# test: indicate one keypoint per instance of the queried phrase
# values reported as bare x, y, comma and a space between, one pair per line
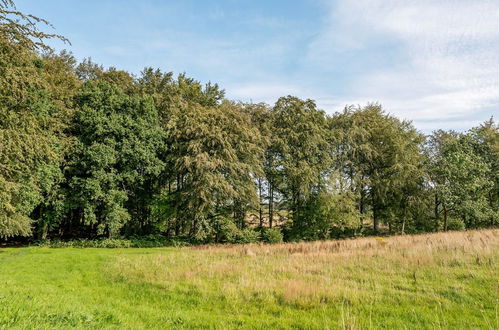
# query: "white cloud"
431, 61
445, 69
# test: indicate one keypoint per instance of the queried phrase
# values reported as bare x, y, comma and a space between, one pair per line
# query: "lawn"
444, 280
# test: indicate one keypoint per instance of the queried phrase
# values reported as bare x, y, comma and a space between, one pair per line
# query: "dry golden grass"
468, 241
435, 279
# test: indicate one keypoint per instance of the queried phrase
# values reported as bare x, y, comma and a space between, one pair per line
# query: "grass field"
444, 280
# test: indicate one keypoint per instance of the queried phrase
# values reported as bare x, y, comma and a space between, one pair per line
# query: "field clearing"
442, 280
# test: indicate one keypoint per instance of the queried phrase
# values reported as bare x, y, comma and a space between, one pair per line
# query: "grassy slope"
429, 281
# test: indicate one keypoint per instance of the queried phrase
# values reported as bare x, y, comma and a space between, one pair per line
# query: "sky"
435, 62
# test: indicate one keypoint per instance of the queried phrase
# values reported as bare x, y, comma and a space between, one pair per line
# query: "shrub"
114, 243
134, 242
226, 230
246, 235
455, 224
272, 235
86, 243
149, 241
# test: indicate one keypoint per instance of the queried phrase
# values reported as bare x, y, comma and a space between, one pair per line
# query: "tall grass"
435, 280
442, 281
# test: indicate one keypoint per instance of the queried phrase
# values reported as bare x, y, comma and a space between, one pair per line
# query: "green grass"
428, 281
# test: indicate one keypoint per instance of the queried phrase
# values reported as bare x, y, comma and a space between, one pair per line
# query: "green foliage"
246, 235
272, 235
226, 231
463, 179
85, 243
455, 224
300, 153
327, 214
30, 121
214, 154
380, 160
117, 148
88, 151
150, 241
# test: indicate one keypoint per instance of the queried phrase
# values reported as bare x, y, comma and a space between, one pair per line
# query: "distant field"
445, 280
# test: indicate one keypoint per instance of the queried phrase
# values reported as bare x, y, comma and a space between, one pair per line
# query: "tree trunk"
375, 215
194, 227
362, 208
177, 227
271, 204
435, 210
42, 230
260, 200
445, 216
404, 217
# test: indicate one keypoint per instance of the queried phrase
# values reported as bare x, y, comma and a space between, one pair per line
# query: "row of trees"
87, 152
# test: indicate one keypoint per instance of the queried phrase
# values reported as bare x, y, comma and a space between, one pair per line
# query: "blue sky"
434, 62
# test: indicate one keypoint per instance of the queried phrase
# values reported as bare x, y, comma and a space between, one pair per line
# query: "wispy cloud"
443, 63
431, 61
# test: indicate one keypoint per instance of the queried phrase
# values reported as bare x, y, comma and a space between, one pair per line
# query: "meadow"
442, 280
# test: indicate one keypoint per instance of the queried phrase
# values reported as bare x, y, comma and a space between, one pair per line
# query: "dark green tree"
118, 141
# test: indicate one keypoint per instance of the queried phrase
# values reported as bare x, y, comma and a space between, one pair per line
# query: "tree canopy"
88, 151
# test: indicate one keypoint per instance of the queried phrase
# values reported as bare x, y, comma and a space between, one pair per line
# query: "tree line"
88, 151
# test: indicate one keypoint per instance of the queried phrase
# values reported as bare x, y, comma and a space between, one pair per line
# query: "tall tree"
261, 117
215, 153
118, 141
299, 155
462, 180
381, 157
486, 144
29, 146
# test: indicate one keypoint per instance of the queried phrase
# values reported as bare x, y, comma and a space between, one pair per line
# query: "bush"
151, 241
113, 243
225, 230
272, 235
245, 236
455, 224
134, 242
86, 243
